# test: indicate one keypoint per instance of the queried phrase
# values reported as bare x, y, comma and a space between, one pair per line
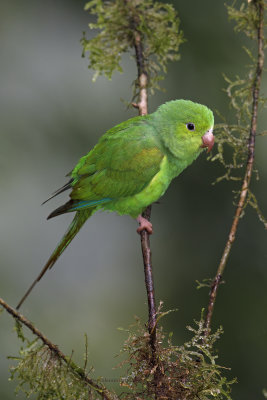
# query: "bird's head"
188, 127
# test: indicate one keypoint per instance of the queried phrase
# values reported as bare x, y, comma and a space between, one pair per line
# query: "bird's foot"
144, 224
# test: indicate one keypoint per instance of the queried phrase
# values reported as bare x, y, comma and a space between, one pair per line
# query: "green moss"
157, 23
189, 371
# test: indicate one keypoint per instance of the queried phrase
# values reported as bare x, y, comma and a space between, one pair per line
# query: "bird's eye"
190, 126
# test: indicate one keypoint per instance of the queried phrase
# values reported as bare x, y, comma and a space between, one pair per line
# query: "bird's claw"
144, 224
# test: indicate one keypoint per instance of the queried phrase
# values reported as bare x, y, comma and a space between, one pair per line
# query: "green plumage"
133, 164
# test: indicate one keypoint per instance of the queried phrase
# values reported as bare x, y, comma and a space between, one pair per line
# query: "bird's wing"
123, 162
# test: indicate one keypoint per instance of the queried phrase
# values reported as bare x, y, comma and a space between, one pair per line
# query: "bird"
132, 166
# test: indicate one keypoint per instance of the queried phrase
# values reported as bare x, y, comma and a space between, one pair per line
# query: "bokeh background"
51, 114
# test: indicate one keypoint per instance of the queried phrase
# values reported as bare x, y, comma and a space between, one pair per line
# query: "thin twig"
249, 167
104, 393
142, 107
145, 242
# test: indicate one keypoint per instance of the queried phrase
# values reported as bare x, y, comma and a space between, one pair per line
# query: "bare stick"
104, 393
145, 242
249, 168
142, 107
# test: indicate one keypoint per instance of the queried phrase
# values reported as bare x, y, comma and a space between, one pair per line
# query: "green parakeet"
132, 165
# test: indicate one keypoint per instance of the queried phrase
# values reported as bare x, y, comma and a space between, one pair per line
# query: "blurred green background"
52, 114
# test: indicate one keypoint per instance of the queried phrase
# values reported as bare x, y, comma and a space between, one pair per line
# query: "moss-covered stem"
259, 4
103, 392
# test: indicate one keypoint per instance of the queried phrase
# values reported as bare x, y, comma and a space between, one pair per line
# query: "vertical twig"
259, 4
142, 107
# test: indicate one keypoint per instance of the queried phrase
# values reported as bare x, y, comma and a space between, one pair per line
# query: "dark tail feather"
60, 190
67, 207
75, 226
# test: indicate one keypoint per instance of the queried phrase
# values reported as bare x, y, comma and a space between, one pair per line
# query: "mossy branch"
188, 372
119, 21
56, 357
250, 19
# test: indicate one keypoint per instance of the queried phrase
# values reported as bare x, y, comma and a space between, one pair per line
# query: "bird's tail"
75, 226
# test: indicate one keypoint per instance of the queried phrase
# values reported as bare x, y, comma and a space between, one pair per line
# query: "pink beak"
208, 140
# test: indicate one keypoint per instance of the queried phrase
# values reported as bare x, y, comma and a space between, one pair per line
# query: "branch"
104, 393
145, 242
142, 107
249, 166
